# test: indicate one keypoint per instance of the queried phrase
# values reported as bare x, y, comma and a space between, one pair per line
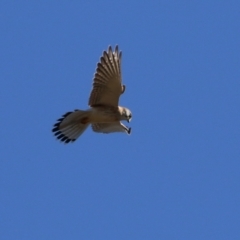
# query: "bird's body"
104, 113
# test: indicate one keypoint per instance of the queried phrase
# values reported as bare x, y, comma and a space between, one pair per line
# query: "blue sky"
176, 176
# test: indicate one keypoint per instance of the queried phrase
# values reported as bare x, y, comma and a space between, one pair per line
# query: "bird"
104, 114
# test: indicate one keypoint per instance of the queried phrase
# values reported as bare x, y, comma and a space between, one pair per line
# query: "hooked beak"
129, 119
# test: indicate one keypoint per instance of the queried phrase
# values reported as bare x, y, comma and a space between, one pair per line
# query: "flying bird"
103, 114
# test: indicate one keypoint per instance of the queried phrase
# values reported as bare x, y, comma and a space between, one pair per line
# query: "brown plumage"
104, 113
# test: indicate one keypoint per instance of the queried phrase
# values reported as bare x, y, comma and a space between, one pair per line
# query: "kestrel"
104, 113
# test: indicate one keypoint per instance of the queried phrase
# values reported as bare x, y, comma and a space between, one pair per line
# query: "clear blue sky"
177, 176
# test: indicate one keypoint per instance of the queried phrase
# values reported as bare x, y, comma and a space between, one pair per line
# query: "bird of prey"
103, 113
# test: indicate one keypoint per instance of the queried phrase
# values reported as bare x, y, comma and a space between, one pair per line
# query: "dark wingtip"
129, 130
64, 139
65, 115
57, 133
60, 136
123, 88
55, 129
68, 140
56, 124
120, 55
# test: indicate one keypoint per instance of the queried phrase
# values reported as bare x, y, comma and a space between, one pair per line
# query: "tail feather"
69, 127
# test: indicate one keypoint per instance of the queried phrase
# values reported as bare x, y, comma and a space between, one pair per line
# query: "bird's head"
126, 114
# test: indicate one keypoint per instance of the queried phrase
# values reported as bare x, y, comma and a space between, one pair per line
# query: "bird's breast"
104, 114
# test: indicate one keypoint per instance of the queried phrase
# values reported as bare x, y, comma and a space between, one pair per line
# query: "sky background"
177, 176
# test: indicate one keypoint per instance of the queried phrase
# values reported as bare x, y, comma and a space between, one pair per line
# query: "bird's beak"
129, 120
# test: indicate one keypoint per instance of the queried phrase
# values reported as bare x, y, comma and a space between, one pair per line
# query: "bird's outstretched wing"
110, 127
107, 82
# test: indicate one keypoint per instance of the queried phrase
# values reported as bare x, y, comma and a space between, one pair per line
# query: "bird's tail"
71, 125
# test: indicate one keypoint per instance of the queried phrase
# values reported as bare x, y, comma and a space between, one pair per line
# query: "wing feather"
107, 82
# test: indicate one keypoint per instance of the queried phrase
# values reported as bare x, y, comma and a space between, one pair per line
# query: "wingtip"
123, 88
116, 48
109, 48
